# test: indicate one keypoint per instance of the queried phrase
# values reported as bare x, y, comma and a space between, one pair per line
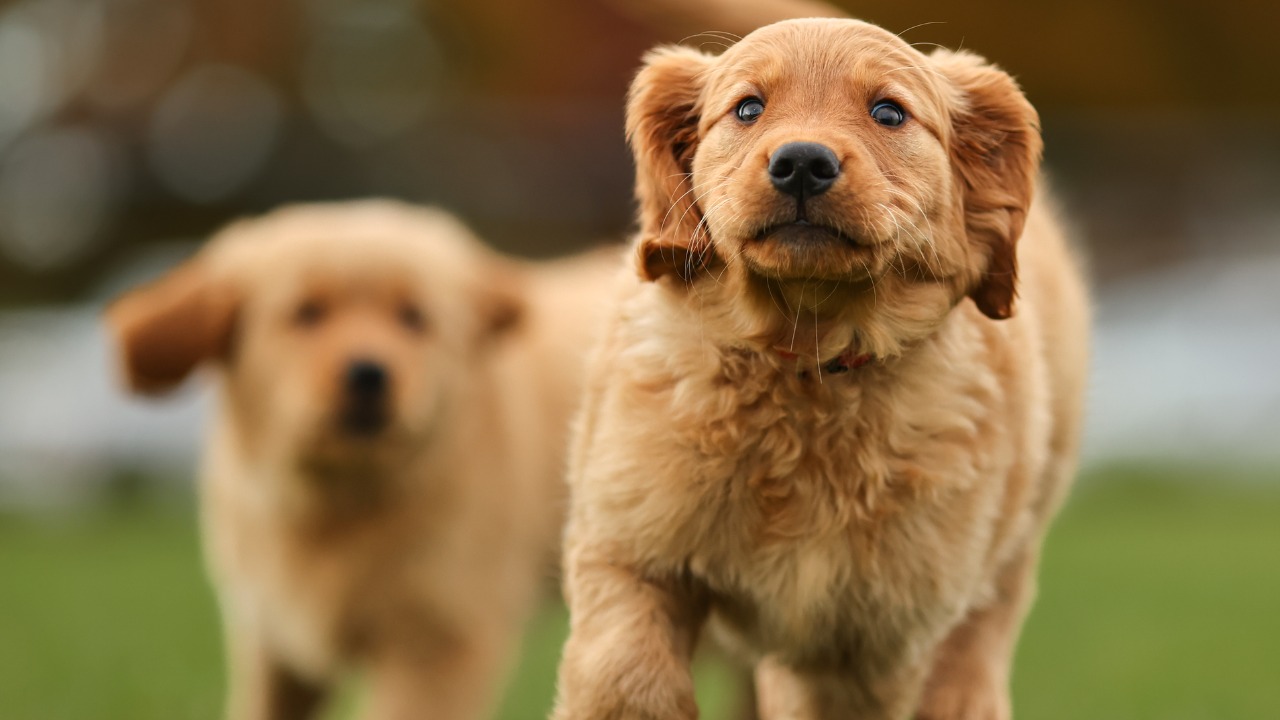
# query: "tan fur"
867, 540
414, 555
732, 18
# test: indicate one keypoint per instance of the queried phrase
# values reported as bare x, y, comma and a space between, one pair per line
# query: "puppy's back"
1053, 298
566, 303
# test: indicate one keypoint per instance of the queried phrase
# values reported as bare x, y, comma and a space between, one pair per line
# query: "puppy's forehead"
336, 265
818, 44
821, 55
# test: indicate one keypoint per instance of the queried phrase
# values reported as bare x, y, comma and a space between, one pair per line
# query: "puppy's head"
830, 165
343, 333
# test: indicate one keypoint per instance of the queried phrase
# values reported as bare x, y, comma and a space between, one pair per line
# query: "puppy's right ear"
167, 328
996, 149
663, 109
499, 300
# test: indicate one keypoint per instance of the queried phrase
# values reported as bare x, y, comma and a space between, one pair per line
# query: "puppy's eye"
888, 113
749, 110
411, 317
309, 314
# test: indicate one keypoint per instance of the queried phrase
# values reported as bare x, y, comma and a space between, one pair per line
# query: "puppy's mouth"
364, 420
804, 232
802, 248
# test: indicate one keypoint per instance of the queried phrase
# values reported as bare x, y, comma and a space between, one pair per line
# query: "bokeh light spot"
213, 132
57, 189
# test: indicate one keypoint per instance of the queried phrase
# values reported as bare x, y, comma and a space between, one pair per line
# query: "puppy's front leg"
971, 669
630, 642
261, 687
448, 679
787, 693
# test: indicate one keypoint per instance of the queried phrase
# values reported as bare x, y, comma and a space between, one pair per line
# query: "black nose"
366, 379
803, 169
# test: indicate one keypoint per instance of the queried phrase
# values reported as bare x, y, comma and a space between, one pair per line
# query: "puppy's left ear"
663, 109
995, 154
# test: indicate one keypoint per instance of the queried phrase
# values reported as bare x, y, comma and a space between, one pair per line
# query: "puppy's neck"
818, 319
336, 493
805, 318
798, 318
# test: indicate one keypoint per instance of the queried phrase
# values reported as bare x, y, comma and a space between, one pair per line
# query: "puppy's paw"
625, 696
627, 709
973, 696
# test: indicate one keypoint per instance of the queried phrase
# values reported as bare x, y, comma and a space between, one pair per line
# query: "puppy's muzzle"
366, 388
803, 169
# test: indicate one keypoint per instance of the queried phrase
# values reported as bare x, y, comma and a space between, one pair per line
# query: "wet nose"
803, 169
366, 379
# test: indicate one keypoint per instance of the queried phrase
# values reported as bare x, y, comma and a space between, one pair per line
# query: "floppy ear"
498, 298
995, 153
662, 128
167, 328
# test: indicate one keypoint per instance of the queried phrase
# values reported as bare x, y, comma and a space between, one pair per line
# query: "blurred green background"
1158, 601
131, 129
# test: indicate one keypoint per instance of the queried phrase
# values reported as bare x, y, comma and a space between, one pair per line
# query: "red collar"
839, 364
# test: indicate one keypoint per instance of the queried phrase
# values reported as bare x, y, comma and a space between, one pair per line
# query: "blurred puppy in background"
381, 487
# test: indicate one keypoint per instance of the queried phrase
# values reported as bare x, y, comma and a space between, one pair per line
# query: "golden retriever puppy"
380, 488
815, 418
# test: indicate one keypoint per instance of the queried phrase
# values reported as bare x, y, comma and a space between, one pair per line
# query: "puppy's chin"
807, 251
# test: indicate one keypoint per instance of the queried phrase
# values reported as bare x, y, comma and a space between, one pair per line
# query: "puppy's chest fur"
824, 517
318, 590
307, 592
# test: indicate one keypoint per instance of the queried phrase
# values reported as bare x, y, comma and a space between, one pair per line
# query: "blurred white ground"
66, 427
1187, 367
1187, 364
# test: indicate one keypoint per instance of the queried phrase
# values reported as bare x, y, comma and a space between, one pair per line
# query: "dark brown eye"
888, 113
749, 110
411, 317
309, 314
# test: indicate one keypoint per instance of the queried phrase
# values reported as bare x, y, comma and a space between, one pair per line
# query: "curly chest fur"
822, 515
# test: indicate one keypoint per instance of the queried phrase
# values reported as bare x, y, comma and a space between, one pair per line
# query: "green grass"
1159, 600
106, 616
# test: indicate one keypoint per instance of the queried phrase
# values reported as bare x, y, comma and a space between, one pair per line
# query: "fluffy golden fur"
402, 535
866, 540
